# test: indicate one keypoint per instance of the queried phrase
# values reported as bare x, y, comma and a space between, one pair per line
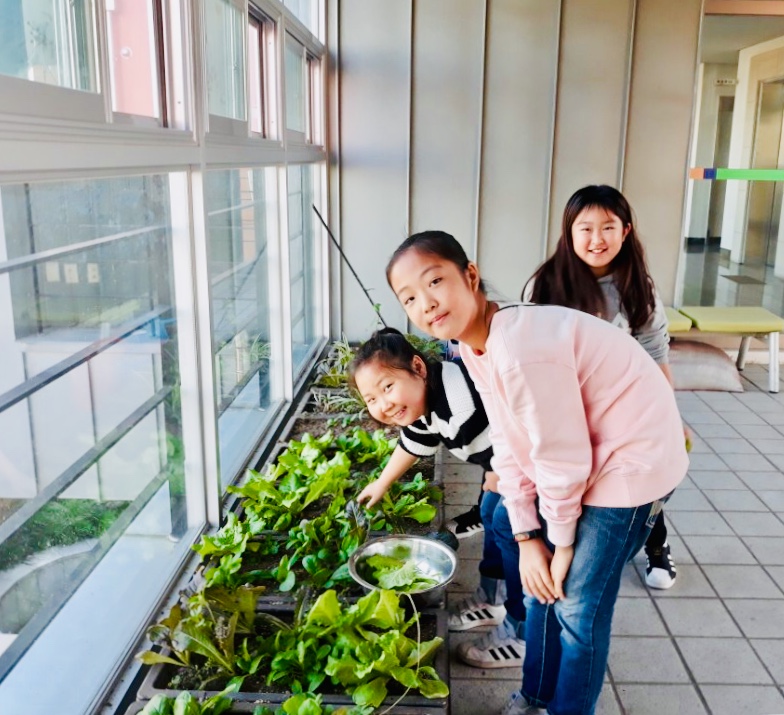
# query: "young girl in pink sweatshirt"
588, 445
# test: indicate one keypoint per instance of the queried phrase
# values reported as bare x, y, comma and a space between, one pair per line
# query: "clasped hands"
543, 572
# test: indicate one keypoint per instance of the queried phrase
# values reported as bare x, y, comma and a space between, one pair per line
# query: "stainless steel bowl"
433, 559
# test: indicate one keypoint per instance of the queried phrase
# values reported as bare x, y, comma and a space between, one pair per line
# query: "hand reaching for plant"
372, 493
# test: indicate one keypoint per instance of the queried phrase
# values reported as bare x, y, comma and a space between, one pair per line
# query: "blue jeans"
501, 555
567, 643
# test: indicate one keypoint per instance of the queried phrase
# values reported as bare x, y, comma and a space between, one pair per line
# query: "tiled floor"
714, 643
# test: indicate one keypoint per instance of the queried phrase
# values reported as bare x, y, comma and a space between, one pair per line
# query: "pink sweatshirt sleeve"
547, 400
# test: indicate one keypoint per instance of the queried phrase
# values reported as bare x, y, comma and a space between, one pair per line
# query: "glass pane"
92, 492
225, 59
246, 359
133, 57
303, 264
295, 86
305, 11
255, 74
50, 42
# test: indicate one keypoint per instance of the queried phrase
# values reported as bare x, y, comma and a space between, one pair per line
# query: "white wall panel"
448, 63
592, 85
657, 144
375, 52
520, 75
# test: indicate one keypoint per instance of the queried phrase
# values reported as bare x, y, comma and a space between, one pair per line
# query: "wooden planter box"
158, 676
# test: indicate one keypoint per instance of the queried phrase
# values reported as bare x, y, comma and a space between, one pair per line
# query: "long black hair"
564, 279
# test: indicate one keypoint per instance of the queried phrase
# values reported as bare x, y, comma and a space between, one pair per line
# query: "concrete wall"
481, 117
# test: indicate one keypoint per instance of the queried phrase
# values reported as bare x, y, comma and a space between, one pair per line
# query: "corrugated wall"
481, 117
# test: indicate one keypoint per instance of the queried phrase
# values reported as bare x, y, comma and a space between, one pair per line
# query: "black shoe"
660, 568
466, 524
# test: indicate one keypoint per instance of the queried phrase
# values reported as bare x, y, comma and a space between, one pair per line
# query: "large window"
225, 58
304, 265
50, 42
93, 493
247, 362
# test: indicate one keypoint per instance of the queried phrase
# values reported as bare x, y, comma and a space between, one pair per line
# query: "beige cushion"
699, 366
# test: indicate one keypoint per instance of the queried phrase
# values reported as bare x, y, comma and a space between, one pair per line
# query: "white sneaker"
660, 571
475, 611
499, 648
518, 705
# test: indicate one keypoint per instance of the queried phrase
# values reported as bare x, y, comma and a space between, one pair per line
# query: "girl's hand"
372, 493
559, 568
535, 570
491, 482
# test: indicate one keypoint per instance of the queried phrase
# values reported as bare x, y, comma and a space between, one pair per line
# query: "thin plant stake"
376, 306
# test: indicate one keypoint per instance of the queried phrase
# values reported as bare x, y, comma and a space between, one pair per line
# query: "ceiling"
723, 35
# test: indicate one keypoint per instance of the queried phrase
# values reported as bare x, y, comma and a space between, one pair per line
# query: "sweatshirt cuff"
522, 516
561, 534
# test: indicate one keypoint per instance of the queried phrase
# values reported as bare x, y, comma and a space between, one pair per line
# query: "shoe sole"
473, 531
470, 625
494, 665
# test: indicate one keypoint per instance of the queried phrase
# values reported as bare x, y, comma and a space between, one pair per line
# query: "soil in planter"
317, 426
179, 678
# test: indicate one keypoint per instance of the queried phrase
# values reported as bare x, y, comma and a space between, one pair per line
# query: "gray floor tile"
772, 654
661, 663
754, 432
777, 574
688, 483
753, 524
607, 704
661, 700
722, 660
697, 617
777, 460
707, 462
688, 500
718, 550
636, 617
757, 617
463, 473
690, 583
760, 403
769, 550
717, 480
466, 577
716, 428
773, 418
699, 523
732, 446
773, 499
735, 699
762, 480
471, 546
748, 462
698, 445
463, 494
697, 418
734, 417
737, 581
770, 446
479, 695
736, 500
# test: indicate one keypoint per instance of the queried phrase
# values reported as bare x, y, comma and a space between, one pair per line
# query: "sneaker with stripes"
479, 610
466, 524
660, 568
499, 648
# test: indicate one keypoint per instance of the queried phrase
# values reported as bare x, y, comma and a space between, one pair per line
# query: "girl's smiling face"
438, 297
393, 396
597, 237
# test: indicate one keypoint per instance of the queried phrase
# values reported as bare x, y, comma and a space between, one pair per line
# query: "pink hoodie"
579, 414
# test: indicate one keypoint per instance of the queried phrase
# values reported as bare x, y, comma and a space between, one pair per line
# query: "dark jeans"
567, 643
501, 555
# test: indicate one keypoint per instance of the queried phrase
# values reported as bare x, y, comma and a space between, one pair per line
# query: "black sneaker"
466, 524
660, 568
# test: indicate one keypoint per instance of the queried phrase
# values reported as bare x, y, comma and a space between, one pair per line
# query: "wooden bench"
747, 321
